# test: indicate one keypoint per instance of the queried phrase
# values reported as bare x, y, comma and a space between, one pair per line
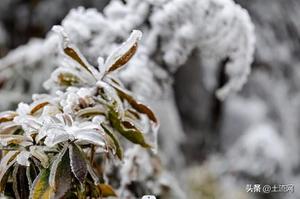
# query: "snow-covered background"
222, 76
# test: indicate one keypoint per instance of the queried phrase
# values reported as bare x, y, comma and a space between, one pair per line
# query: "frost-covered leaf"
8, 127
20, 182
6, 162
106, 190
60, 174
31, 174
23, 158
36, 106
67, 77
40, 187
29, 123
124, 53
91, 111
110, 94
78, 162
127, 129
72, 52
7, 116
93, 174
55, 138
135, 104
38, 153
54, 165
6, 140
90, 136
119, 149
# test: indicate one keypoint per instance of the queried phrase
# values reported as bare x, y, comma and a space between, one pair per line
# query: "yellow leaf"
41, 188
106, 190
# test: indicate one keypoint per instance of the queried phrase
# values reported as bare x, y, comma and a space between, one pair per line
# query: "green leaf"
41, 188
131, 133
54, 166
78, 162
62, 179
119, 149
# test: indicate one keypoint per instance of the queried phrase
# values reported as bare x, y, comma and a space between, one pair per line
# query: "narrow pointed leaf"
20, 182
39, 154
90, 111
7, 116
6, 140
54, 166
38, 106
124, 53
75, 55
141, 108
63, 177
8, 128
93, 174
119, 149
6, 162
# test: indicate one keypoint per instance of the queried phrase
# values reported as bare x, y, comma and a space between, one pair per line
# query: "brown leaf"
37, 106
141, 108
71, 52
124, 53
124, 58
7, 116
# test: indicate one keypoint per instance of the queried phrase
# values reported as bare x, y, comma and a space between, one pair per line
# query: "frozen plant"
174, 31
60, 144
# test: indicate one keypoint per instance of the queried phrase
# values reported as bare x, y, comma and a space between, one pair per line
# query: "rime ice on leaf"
60, 136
